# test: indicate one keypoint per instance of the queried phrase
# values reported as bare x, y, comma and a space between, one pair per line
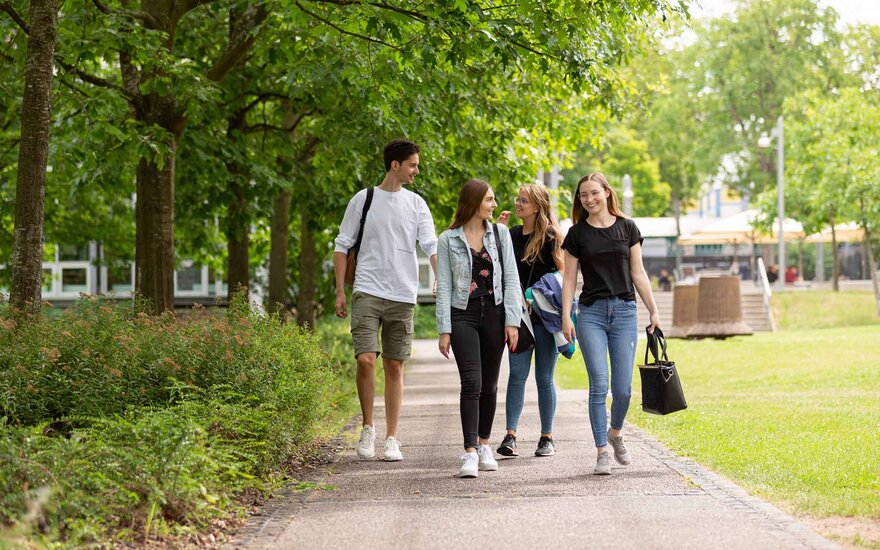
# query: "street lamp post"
764, 141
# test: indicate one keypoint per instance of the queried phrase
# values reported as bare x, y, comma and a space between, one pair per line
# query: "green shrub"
99, 359
115, 424
145, 472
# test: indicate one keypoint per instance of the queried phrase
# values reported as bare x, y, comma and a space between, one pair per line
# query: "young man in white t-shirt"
385, 285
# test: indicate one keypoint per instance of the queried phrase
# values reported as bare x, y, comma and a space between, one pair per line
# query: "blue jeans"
545, 363
608, 327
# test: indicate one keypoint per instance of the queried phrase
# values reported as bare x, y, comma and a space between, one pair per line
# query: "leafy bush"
115, 424
100, 359
426, 322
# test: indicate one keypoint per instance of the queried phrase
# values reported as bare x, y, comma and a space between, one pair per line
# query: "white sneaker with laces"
469, 465
366, 447
487, 460
392, 450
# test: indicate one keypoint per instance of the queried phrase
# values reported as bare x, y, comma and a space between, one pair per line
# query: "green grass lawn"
825, 309
793, 416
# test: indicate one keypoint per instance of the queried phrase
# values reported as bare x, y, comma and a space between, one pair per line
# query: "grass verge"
792, 416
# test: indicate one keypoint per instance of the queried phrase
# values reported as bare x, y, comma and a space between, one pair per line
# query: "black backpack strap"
367, 202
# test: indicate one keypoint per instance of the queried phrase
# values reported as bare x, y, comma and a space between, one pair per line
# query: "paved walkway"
660, 501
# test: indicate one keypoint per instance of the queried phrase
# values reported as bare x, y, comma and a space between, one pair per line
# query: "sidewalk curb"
788, 529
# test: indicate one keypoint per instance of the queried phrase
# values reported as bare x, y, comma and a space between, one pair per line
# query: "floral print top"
481, 274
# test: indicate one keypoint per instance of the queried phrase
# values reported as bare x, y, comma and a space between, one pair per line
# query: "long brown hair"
546, 226
469, 200
579, 213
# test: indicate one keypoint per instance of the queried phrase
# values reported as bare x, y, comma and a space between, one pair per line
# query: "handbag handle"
655, 340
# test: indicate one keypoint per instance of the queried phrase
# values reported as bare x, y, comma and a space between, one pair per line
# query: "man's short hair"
399, 150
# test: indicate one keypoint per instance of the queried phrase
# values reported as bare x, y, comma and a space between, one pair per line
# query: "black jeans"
478, 343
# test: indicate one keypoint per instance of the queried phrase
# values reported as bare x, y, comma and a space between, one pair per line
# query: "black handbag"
661, 385
526, 339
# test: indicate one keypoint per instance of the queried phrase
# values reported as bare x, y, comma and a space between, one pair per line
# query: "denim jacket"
454, 275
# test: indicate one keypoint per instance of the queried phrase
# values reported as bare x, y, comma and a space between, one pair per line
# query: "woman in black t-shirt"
607, 248
537, 249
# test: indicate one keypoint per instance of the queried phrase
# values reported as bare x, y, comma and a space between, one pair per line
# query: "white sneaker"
469, 468
392, 450
487, 461
366, 447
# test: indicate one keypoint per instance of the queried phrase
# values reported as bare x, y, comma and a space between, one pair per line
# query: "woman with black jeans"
478, 307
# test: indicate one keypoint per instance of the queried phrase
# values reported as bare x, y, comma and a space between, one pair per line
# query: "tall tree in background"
622, 153
673, 123
36, 115
749, 62
834, 167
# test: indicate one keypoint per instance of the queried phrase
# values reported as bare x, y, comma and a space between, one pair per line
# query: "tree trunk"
835, 261
154, 210
154, 241
872, 267
280, 236
308, 261
238, 239
154, 254
801, 260
33, 152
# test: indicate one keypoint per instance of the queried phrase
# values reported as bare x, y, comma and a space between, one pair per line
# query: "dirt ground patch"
849, 532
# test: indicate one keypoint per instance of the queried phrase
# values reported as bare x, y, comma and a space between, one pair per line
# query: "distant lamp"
764, 141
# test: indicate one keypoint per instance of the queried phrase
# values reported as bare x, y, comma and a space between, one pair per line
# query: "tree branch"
309, 149
409, 13
144, 16
90, 78
84, 76
532, 49
240, 40
343, 31
262, 97
74, 88
7, 7
300, 118
263, 127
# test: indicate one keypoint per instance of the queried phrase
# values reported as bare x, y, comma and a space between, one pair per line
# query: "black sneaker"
546, 447
508, 446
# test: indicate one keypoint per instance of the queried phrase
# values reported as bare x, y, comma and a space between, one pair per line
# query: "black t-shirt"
543, 264
603, 254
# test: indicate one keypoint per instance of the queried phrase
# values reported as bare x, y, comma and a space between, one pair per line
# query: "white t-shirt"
387, 266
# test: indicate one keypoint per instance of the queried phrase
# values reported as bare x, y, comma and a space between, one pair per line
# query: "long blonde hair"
546, 226
579, 213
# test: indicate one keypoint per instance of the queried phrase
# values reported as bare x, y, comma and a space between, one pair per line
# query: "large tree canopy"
213, 111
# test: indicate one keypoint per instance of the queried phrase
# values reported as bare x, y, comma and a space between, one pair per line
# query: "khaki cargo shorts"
368, 313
